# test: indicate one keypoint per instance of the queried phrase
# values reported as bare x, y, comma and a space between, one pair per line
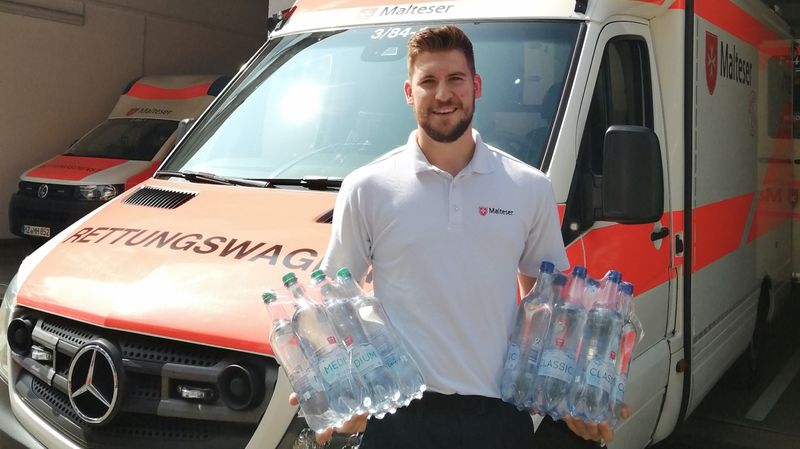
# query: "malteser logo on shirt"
484, 211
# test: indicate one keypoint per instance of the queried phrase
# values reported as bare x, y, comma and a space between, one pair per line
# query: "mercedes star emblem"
94, 382
42, 192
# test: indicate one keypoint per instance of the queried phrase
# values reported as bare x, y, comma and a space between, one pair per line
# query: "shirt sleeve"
350, 242
544, 240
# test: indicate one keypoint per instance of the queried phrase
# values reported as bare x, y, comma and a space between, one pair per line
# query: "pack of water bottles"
571, 346
339, 350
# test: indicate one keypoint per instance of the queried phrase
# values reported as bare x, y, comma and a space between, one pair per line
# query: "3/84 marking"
392, 33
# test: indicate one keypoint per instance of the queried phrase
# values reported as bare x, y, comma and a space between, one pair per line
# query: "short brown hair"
443, 38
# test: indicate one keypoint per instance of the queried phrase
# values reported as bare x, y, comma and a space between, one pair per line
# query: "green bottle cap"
269, 296
318, 275
289, 279
344, 273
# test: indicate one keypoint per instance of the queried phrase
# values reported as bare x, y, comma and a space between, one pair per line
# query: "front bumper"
12, 434
55, 214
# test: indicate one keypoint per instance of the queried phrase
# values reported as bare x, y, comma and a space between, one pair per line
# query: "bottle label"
534, 352
306, 382
333, 367
390, 359
600, 374
366, 358
512, 358
557, 364
619, 391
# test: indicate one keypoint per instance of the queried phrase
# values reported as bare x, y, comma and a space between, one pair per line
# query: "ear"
477, 85
407, 90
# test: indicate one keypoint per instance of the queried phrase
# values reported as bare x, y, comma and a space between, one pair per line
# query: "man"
449, 225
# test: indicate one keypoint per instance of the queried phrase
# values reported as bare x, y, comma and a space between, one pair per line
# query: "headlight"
99, 192
6, 309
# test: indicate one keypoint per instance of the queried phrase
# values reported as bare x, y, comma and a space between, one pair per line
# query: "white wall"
60, 77
276, 6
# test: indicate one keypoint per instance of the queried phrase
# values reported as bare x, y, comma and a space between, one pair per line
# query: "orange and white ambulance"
117, 154
664, 126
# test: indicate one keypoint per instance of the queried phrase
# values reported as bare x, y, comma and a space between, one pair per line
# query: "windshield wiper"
210, 178
309, 182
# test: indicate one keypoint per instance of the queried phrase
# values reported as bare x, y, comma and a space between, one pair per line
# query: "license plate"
36, 231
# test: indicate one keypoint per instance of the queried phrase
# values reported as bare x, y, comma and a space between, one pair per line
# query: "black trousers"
439, 421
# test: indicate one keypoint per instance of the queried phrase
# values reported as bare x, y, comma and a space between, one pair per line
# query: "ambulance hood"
75, 170
193, 273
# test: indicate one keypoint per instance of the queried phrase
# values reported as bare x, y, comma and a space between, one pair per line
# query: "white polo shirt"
445, 253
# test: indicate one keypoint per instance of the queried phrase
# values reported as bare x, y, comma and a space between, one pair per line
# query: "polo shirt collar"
482, 160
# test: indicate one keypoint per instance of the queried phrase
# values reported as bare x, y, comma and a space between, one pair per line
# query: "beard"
444, 135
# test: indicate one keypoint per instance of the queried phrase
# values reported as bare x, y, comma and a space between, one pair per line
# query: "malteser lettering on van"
221, 246
409, 10
733, 66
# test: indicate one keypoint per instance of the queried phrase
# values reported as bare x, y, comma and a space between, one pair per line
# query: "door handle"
660, 234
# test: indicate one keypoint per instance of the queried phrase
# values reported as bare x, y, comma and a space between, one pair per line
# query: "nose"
443, 93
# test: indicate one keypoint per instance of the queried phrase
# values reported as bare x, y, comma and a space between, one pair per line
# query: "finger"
606, 432
357, 423
294, 399
625, 412
324, 436
577, 426
592, 431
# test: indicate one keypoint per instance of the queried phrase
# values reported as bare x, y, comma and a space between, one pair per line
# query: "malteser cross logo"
484, 211
711, 62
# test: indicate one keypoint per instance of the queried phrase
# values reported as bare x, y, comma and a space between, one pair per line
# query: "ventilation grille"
158, 197
327, 217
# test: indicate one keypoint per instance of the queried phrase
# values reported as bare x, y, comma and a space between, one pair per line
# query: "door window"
622, 96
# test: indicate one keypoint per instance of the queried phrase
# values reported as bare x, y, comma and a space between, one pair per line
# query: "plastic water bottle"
381, 333
381, 390
627, 309
590, 394
631, 334
534, 353
301, 372
530, 326
560, 352
318, 339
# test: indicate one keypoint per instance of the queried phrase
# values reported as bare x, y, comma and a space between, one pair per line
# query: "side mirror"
183, 128
633, 178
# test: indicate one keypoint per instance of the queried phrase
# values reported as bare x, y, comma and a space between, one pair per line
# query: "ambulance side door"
622, 89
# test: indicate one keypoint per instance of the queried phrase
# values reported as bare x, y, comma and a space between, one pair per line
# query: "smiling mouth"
444, 111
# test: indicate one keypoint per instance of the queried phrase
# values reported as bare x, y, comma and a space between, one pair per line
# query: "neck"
451, 157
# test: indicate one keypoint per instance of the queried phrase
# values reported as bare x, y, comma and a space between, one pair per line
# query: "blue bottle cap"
546, 267
626, 288
560, 280
579, 271
592, 282
614, 276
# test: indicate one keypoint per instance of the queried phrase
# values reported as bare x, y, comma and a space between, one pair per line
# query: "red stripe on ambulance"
149, 92
718, 229
72, 168
733, 19
140, 177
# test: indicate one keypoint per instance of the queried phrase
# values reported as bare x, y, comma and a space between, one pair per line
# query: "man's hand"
601, 433
355, 424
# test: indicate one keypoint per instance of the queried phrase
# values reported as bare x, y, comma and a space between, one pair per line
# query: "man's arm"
525, 283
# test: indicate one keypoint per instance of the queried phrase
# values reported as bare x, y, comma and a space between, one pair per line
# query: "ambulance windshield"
323, 104
124, 138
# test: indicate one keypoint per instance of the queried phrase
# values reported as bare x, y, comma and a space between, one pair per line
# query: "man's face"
442, 91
